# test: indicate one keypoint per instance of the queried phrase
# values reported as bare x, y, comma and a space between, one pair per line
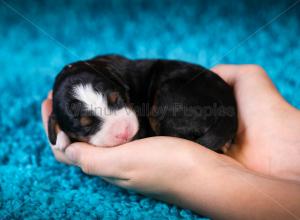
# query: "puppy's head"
91, 104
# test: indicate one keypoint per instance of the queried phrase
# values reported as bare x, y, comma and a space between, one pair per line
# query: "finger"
105, 162
46, 111
226, 72
233, 73
249, 74
61, 157
125, 183
50, 94
249, 81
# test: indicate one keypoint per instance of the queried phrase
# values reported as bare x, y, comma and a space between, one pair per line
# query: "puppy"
110, 100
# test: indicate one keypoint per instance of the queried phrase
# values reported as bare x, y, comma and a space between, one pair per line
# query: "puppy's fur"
109, 100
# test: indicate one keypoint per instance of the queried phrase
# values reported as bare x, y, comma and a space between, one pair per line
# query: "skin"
258, 178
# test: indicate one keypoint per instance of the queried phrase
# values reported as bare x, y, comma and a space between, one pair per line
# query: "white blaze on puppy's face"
118, 127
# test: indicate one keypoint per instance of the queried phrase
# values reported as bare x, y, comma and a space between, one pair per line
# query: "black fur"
171, 98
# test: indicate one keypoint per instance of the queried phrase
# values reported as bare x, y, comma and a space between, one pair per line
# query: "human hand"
171, 169
268, 125
148, 165
268, 139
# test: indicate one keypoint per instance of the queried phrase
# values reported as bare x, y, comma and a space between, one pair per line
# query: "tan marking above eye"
85, 121
112, 97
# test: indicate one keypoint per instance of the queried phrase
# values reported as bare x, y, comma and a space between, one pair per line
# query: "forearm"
231, 192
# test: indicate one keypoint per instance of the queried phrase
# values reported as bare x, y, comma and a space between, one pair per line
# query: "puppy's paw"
62, 141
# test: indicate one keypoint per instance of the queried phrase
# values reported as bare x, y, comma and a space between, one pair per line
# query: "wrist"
203, 184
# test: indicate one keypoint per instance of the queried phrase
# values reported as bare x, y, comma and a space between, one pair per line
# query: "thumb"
104, 162
227, 72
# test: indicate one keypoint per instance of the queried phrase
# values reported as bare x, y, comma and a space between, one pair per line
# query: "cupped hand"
145, 165
268, 139
185, 173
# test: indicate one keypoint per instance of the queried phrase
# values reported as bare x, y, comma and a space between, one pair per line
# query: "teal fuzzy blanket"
37, 38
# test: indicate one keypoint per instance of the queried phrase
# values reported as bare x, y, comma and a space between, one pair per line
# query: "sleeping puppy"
110, 100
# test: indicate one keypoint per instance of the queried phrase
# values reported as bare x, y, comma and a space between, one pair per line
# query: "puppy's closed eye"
86, 121
113, 97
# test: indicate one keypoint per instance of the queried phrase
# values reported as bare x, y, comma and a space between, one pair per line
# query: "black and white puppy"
110, 100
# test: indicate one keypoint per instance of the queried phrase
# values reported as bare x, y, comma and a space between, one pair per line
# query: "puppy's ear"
57, 138
52, 129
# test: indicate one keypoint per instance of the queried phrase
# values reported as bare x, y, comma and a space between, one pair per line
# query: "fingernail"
71, 154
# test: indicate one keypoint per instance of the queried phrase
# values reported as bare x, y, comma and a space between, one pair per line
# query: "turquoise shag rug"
39, 37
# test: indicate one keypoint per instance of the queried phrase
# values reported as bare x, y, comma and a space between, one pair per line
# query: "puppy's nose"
124, 135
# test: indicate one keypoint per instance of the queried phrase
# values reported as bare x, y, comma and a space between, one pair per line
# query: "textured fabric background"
37, 38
